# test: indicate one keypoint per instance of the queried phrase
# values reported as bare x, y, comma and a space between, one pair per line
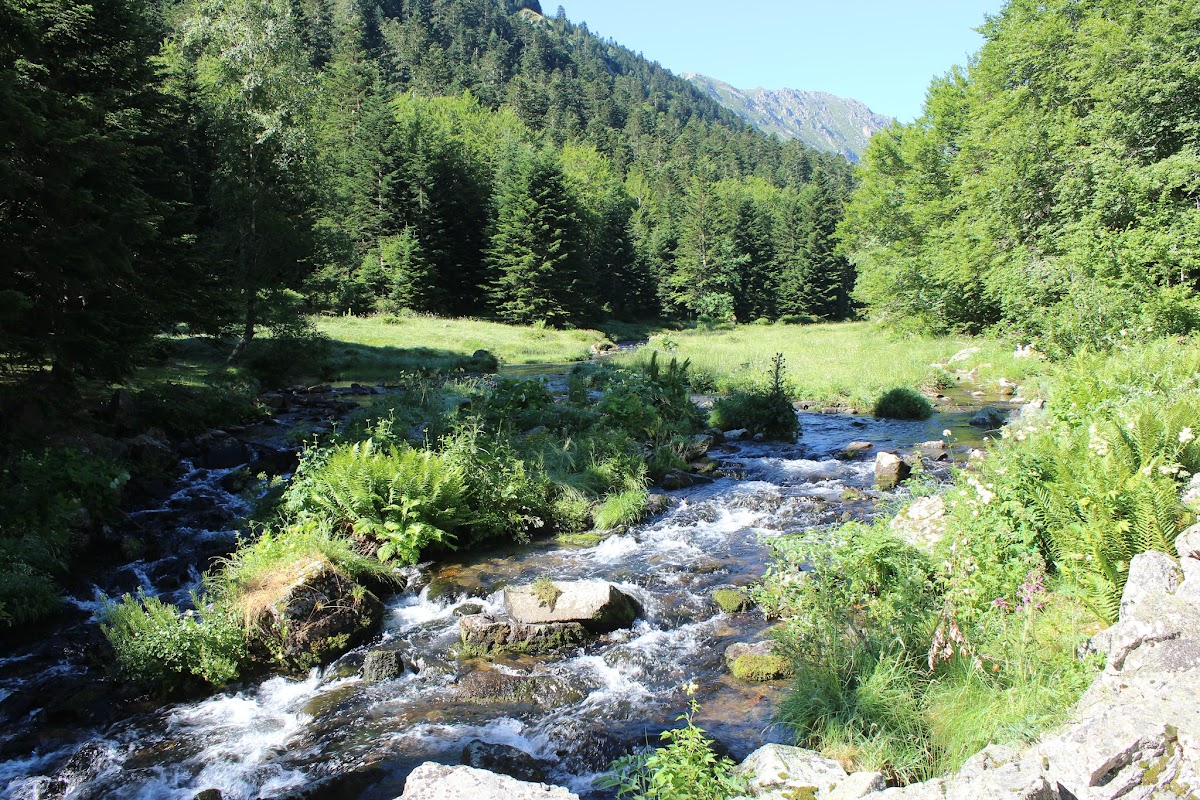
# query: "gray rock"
657, 503
383, 665
1033, 408
484, 634
922, 523
696, 447
497, 685
857, 786
432, 781
676, 480
777, 766
890, 470
739, 649
855, 449
503, 759
597, 605
999, 773
1150, 573
467, 609
989, 419
1187, 545
736, 434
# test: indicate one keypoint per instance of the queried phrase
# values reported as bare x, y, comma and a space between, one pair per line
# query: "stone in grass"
757, 667
732, 601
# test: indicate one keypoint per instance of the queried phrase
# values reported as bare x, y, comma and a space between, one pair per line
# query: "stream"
334, 735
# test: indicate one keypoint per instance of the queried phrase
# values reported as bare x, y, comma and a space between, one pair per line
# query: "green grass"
848, 364
373, 348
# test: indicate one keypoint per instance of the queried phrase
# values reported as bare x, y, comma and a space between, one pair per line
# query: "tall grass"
837, 364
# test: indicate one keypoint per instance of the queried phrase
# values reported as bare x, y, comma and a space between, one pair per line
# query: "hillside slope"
818, 119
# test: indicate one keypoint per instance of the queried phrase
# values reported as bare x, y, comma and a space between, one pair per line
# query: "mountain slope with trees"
235, 165
1050, 188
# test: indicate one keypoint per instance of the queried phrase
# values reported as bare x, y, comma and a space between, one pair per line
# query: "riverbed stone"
597, 605
484, 634
890, 470
757, 668
777, 766
732, 600
989, 419
657, 503
503, 759
855, 449
432, 781
675, 479
383, 665
316, 613
739, 649
736, 434
696, 447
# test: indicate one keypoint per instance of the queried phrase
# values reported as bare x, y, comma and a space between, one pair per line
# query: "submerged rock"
439, 782
855, 449
503, 759
597, 605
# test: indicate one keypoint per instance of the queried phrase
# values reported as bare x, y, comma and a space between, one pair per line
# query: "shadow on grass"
370, 364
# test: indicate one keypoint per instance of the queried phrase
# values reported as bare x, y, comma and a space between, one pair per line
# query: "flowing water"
332, 734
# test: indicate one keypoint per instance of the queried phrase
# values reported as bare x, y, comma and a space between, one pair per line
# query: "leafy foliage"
1047, 187
157, 644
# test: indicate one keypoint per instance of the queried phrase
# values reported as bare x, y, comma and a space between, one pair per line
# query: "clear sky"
882, 52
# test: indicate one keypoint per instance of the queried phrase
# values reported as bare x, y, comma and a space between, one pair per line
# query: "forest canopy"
1051, 188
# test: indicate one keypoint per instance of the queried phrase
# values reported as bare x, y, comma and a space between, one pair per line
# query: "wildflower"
1000, 603
691, 688
947, 432
1186, 435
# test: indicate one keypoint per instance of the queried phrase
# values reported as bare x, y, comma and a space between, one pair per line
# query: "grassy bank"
909, 659
371, 348
836, 364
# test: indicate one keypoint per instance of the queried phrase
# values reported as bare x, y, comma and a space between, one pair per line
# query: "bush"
903, 403
185, 410
158, 645
767, 411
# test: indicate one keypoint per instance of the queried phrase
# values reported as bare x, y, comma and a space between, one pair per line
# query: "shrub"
684, 769
767, 411
42, 495
903, 403
184, 410
158, 645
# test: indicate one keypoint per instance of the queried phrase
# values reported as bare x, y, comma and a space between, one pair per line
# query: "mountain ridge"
821, 120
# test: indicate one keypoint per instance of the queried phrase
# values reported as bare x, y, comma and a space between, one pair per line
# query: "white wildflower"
1186, 435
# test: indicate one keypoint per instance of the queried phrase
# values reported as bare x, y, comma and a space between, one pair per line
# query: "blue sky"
882, 52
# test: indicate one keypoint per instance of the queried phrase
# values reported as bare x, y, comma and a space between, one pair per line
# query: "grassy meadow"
369, 348
845, 364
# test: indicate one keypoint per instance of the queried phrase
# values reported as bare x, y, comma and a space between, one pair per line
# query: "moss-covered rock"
758, 667
732, 601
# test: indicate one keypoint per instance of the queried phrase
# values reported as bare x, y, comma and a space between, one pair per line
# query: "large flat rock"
432, 781
597, 605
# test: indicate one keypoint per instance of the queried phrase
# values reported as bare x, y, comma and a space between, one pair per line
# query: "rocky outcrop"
922, 523
439, 782
598, 606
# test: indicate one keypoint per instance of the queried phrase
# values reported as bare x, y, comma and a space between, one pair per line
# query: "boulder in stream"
778, 767
432, 781
314, 613
503, 759
484, 634
854, 449
989, 419
890, 470
598, 606
383, 665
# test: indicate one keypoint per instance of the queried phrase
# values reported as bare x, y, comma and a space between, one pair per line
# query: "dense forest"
233, 166
1050, 188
